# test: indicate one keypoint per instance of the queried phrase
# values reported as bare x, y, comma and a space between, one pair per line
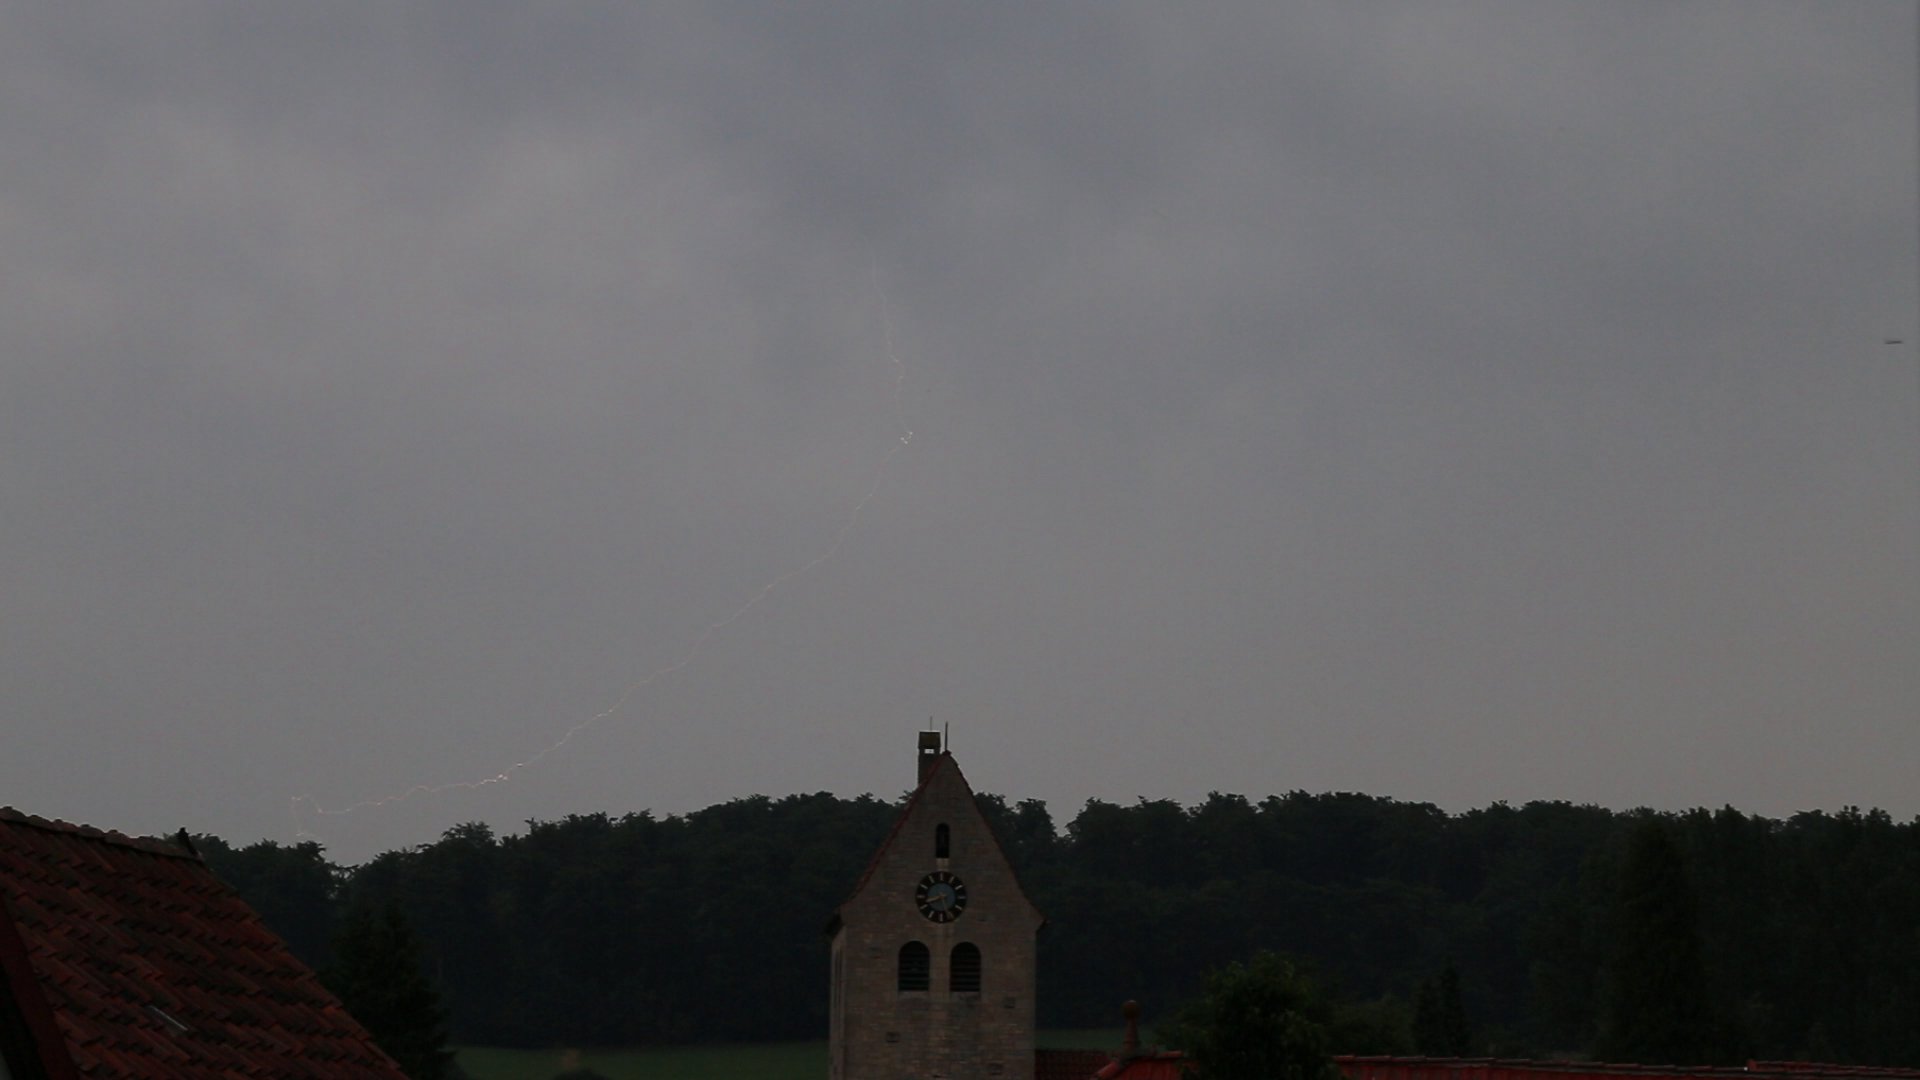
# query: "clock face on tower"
940, 896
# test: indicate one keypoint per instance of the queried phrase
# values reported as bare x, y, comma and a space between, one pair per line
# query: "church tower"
933, 953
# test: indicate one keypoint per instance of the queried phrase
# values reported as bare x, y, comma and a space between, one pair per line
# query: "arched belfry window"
942, 840
916, 966
963, 969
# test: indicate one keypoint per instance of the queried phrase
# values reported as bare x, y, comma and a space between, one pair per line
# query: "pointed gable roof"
943, 762
128, 958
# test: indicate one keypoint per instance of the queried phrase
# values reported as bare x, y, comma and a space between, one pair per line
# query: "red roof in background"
1100, 1065
1815, 1067
1166, 1065
1425, 1068
1151, 1065
1069, 1064
140, 963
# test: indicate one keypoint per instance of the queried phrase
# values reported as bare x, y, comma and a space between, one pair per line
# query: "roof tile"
1051, 1064
114, 926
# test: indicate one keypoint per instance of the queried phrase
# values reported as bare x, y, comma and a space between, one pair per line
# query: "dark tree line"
1542, 929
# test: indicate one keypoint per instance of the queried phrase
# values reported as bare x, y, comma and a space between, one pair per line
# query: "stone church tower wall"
941, 881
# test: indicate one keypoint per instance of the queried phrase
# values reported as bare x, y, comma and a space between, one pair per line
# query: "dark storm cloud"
1448, 401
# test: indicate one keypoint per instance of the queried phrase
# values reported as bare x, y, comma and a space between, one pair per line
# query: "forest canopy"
1801, 936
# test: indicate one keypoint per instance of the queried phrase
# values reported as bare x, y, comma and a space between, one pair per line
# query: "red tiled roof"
1152, 1065
146, 965
1069, 1064
1426, 1068
1819, 1069
1100, 1065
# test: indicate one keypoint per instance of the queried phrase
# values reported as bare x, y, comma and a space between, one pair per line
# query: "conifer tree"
1440, 1025
376, 975
1427, 1036
1655, 1000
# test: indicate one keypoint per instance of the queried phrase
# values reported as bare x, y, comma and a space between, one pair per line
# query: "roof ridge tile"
149, 844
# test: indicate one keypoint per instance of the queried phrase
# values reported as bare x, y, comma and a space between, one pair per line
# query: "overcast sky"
1449, 401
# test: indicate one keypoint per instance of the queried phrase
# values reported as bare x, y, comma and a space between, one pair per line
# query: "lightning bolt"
314, 810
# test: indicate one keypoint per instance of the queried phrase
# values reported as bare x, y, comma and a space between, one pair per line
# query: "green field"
758, 1061
754, 1061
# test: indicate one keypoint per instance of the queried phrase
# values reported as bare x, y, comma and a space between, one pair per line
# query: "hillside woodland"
1543, 929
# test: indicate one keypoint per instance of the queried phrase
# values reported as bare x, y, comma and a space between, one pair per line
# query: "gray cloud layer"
1451, 401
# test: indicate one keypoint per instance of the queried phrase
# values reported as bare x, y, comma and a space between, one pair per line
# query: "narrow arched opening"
963, 969
916, 966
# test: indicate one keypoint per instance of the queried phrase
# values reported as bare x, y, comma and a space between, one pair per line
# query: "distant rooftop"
1432, 1068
